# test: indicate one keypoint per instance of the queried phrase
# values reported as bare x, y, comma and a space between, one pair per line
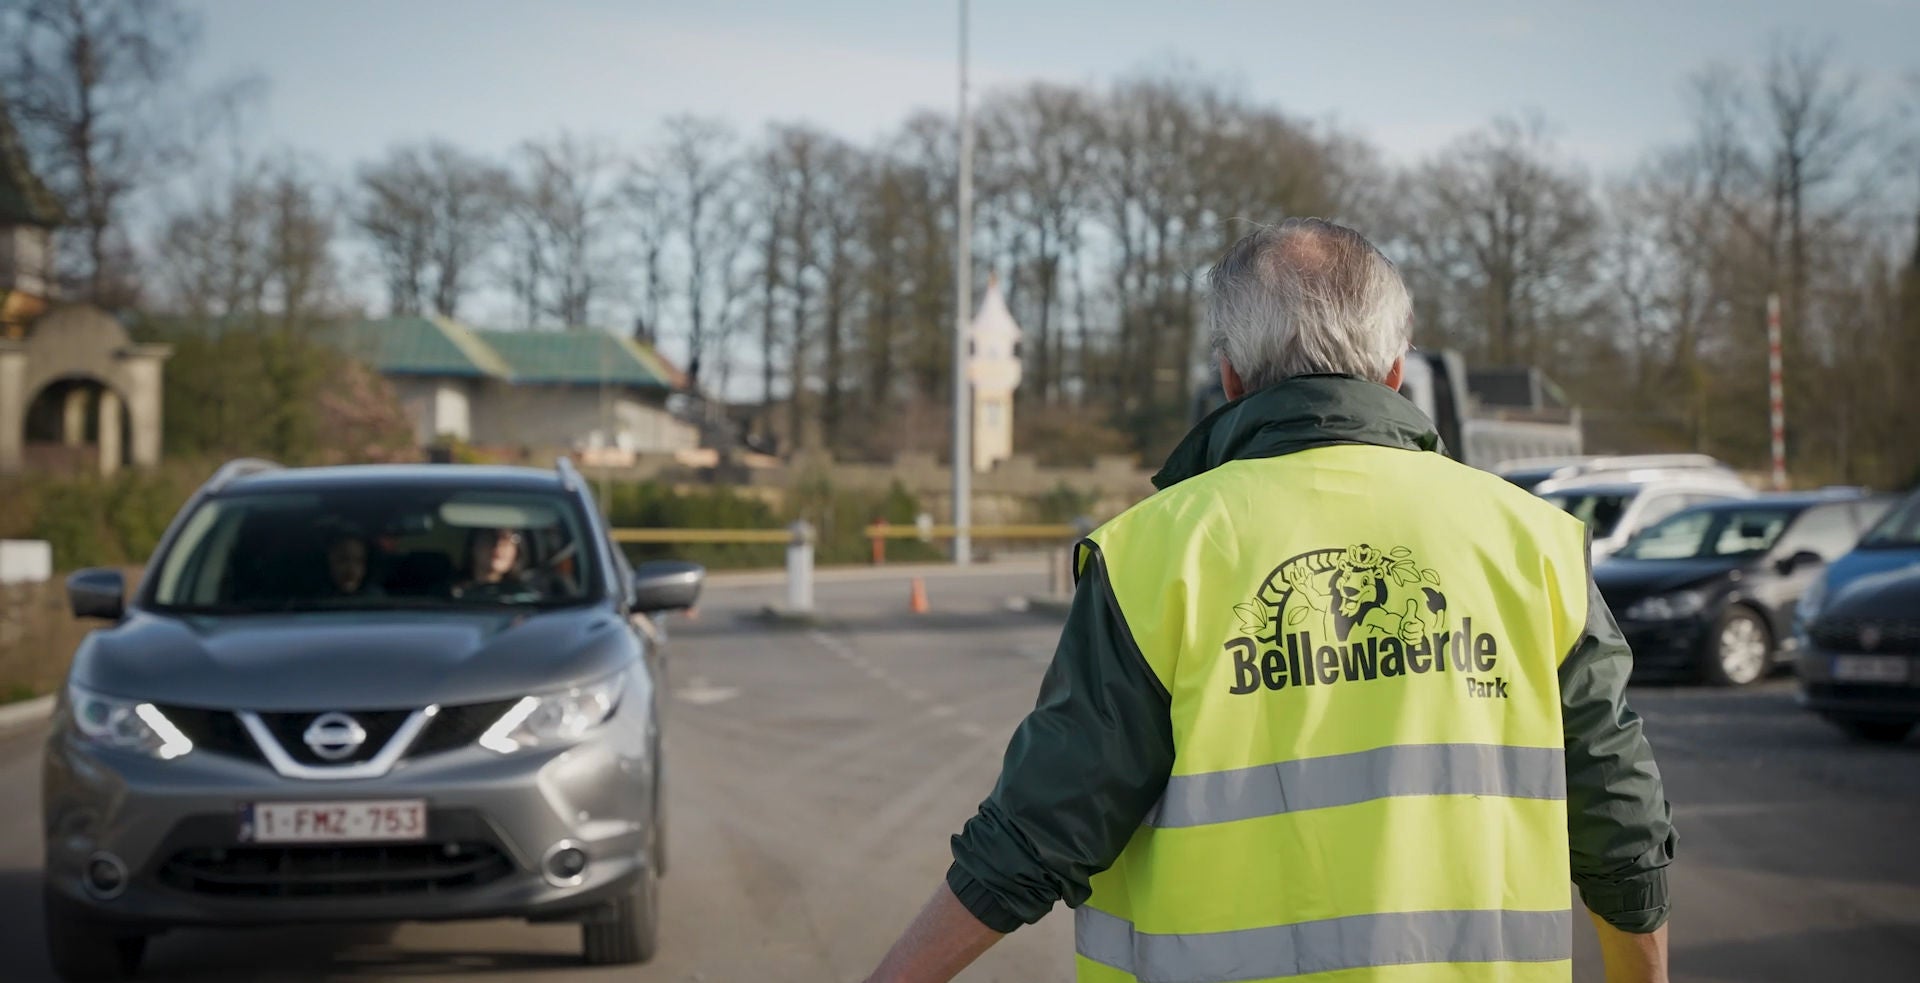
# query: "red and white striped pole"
1776, 395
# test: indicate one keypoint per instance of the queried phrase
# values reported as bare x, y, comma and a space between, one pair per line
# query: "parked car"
377, 693
1617, 505
1859, 663
1530, 473
1710, 591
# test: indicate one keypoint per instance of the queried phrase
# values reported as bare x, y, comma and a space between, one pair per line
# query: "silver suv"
363, 693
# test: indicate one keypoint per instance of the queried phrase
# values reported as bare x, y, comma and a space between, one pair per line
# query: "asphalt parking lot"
815, 776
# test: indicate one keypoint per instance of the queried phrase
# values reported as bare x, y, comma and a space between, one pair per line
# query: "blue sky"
350, 77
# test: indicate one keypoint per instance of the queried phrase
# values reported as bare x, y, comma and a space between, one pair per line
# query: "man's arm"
1080, 775
1632, 957
1619, 826
944, 939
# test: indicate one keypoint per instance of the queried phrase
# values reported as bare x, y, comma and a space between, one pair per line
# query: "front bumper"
175, 826
1821, 693
1665, 649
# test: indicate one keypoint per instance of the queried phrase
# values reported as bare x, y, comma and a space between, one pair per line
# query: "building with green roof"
546, 389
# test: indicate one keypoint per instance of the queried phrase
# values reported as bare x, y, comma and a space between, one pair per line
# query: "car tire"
83, 949
1875, 731
626, 932
1740, 650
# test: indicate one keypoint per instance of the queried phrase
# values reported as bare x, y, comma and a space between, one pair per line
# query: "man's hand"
1632, 958
943, 940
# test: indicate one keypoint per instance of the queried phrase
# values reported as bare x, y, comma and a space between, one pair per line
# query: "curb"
28, 712
1048, 605
780, 617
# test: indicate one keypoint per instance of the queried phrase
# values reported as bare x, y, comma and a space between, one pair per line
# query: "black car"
1859, 660
1709, 592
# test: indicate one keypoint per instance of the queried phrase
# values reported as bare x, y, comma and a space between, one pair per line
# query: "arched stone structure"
82, 342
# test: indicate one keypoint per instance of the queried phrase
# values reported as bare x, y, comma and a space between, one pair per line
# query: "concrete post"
73, 417
800, 568
13, 404
109, 432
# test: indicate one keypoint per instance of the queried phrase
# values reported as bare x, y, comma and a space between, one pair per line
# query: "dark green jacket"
1094, 755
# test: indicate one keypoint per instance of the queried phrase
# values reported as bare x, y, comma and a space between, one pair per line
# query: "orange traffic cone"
917, 602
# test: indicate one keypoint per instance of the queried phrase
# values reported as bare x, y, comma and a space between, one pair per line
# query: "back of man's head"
1307, 296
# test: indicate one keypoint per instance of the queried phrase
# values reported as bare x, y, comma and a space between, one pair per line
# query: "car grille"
217, 731
1844, 635
335, 871
220, 731
457, 727
290, 729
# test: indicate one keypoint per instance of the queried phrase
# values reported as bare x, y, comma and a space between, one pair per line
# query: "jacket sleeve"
1079, 776
1619, 825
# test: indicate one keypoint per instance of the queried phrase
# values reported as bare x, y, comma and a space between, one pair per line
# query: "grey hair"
1307, 296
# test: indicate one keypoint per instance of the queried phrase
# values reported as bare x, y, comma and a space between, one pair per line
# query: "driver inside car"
493, 563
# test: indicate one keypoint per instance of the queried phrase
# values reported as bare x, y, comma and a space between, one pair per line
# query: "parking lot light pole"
963, 303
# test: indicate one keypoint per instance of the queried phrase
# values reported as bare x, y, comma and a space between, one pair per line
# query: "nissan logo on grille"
334, 736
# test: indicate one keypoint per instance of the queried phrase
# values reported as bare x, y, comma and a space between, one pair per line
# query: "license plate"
334, 822
1870, 669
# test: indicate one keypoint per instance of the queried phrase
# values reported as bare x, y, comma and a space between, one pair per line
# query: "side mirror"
1803, 558
666, 585
97, 592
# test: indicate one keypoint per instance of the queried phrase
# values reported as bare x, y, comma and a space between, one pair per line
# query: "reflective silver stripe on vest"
1344, 779
1323, 946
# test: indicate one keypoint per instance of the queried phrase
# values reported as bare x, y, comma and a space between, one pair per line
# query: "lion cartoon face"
1355, 589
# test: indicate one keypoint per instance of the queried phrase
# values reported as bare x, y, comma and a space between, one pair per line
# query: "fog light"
566, 864
106, 876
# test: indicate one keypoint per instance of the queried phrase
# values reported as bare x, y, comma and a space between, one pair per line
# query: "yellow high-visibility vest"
1361, 645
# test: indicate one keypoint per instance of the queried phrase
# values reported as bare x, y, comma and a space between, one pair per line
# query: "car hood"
1863, 563
1883, 595
1623, 581
350, 661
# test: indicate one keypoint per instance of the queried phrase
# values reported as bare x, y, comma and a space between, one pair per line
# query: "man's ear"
1396, 374
1230, 383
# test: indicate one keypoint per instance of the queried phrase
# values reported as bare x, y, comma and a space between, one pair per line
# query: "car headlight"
1668, 607
129, 725
549, 719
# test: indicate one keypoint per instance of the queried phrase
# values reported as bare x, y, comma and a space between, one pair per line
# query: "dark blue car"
1859, 662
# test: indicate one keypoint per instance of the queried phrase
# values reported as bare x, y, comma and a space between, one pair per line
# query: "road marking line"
940, 710
971, 731
701, 693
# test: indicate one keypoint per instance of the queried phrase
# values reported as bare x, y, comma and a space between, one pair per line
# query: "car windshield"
376, 549
1899, 528
1708, 533
1601, 511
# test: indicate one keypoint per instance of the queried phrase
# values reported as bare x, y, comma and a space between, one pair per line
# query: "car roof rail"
569, 475
239, 468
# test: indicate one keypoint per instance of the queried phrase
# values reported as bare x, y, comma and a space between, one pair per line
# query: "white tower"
993, 367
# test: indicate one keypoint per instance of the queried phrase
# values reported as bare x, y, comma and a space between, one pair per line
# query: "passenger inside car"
347, 565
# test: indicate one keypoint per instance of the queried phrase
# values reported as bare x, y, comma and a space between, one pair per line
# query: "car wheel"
81, 948
626, 931
1740, 650
1876, 731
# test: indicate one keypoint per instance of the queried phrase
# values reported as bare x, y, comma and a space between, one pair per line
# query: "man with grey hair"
1328, 702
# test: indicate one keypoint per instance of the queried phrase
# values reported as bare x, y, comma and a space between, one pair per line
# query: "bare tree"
1514, 233
431, 212
86, 80
695, 183
561, 209
255, 248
